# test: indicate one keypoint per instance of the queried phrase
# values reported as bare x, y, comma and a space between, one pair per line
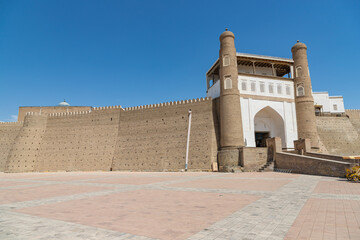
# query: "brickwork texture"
145, 138
340, 135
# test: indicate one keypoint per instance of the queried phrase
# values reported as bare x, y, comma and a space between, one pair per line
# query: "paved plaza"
178, 205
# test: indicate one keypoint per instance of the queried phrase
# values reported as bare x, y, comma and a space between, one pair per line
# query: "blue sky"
129, 53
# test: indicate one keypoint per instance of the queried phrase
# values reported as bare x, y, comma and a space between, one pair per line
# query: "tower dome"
63, 104
298, 45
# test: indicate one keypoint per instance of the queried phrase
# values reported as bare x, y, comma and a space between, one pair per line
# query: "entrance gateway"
260, 138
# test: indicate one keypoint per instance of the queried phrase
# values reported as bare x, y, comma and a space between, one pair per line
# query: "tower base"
229, 160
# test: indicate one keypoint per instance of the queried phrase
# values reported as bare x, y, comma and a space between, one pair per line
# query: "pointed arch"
268, 123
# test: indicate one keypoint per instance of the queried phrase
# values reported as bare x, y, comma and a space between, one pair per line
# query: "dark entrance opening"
260, 138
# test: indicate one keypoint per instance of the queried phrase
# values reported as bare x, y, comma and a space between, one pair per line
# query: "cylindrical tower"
230, 112
231, 132
304, 101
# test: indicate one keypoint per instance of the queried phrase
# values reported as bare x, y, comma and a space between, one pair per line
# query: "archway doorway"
268, 123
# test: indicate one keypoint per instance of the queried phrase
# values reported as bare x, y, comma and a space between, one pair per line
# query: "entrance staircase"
268, 167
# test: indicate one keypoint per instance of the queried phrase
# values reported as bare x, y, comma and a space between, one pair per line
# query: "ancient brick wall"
311, 165
80, 141
354, 117
8, 133
25, 149
339, 135
253, 158
353, 113
153, 138
146, 138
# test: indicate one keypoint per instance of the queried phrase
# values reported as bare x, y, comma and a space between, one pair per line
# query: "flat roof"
289, 60
320, 93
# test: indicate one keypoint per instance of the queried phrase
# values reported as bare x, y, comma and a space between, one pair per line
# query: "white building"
266, 97
328, 104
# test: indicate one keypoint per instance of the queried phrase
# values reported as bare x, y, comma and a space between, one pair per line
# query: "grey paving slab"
14, 226
270, 216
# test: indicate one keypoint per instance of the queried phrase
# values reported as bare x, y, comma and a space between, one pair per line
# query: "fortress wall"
8, 133
353, 113
153, 138
83, 141
216, 116
51, 109
142, 138
354, 116
339, 135
311, 165
24, 152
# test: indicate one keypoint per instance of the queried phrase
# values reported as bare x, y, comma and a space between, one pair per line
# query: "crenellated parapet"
77, 113
33, 114
67, 114
12, 123
107, 108
118, 107
353, 113
166, 104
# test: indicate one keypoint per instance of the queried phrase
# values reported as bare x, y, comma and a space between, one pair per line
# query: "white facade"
329, 104
267, 105
267, 98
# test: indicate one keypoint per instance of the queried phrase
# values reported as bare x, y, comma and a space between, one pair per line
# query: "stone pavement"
189, 205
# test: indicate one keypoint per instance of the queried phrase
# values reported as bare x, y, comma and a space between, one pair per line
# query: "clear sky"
130, 53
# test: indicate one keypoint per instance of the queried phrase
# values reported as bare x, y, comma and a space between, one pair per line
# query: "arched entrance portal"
268, 123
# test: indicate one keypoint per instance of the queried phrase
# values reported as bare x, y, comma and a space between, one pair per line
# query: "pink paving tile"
184, 174
262, 175
133, 180
12, 183
39, 192
338, 187
327, 219
234, 183
23, 175
152, 213
67, 178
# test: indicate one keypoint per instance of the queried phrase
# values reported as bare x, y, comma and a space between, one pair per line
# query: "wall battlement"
117, 107
168, 104
12, 123
353, 113
107, 107
63, 114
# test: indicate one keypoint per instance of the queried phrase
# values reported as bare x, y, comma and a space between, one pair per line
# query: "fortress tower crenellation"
166, 104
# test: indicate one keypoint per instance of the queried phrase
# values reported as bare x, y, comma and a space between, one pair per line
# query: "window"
279, 89
298, 71
228, 83
271, 88
288, 90
226, 60
243, 85
335, 107
253, 87
262, 87
300, 90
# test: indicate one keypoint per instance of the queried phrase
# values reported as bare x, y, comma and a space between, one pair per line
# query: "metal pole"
187, 143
